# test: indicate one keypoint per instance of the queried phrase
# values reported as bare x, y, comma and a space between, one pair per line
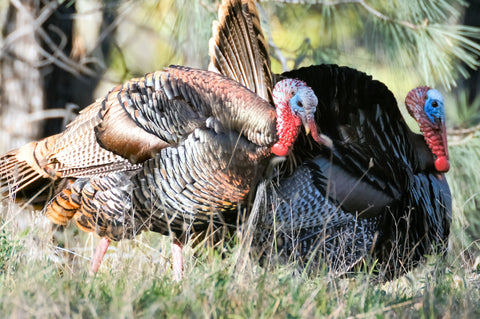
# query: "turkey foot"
99, 253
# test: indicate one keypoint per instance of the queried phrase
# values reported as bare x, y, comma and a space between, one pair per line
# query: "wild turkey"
379, 191
175, 152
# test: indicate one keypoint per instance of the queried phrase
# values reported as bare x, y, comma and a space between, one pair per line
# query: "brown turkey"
379, 192
175, 152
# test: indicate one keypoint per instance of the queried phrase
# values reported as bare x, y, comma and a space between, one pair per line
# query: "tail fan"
25, 173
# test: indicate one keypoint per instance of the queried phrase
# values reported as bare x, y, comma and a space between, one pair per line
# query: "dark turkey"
379, 192
175, 152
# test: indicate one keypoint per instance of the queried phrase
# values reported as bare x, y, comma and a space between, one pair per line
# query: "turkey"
377, 192
176, 152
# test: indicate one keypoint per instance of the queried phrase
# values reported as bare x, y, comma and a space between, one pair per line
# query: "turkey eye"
434, 103
299, 104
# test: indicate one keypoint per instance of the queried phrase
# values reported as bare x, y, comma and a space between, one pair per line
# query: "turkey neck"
288, 125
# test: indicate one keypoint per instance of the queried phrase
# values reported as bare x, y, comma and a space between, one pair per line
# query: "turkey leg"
99, 253
177, 260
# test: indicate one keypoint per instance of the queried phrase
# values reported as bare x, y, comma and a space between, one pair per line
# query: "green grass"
36, 282
39, 279
44, 273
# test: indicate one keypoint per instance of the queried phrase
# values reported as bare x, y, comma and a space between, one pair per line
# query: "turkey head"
426, 106
296, 104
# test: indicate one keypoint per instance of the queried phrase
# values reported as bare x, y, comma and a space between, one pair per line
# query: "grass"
35, 282
39, 279
44, 273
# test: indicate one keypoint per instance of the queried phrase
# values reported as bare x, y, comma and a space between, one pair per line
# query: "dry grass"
44, 273
40, 279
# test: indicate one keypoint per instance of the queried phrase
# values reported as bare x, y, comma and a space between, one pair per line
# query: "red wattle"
279, 149
441, 164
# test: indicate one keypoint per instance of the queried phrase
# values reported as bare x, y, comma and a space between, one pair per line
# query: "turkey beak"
308, 104
304, 105
308, 121
306, 124
309, 125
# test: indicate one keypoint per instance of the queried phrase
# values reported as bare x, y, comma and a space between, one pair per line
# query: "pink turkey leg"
177, 260
99, 253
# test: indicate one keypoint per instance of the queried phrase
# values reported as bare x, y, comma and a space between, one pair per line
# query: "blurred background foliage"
100, 43
402, 43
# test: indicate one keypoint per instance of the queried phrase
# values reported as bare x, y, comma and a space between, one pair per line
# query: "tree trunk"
41, 68
21, 82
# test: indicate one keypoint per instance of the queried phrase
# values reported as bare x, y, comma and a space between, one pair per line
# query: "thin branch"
385, 18
45, 13
277, 53
370, 9
60, 59
63, 42
48, 114
111, 27
465, 131
460, 140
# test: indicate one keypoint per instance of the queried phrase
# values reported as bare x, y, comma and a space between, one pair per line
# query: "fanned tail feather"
238, 48
24, 174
